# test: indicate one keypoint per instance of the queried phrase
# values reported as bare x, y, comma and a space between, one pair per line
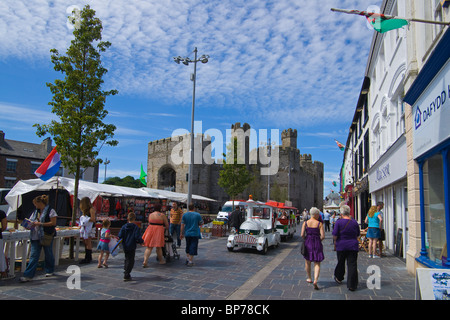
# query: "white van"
227, 208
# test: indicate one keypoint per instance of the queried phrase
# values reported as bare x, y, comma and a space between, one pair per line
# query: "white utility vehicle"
258, 231
227, 208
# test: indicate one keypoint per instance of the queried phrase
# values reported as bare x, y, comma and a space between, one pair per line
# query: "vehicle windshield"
262, 213
227, 209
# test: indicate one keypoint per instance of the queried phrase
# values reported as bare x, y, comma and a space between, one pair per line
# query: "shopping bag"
114, 246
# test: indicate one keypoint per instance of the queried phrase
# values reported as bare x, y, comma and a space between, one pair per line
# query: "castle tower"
243, 136
289, 138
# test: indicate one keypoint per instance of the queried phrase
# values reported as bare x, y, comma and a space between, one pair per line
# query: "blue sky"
273, 64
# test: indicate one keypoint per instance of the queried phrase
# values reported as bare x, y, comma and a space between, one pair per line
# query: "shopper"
326, 219
345, 235
154, 235
3, 266
236, 219
175, 222
103, 244
41, 237
313, 234
87, 230
380, 206
374, 221
130, 234
190, 229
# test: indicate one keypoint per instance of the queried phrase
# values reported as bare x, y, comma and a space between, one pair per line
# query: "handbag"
47, 239
302, 245
302, 248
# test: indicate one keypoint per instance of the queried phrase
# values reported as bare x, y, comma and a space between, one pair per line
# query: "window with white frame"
433, 11
10, 182
438, 14
11, 165
34, 166
376, 145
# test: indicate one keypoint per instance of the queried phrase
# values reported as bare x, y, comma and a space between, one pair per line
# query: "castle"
297, 178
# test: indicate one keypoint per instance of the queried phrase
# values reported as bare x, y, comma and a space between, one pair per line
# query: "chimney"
2, 137
47, 144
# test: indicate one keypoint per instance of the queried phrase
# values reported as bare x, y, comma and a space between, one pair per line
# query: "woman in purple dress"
313, 234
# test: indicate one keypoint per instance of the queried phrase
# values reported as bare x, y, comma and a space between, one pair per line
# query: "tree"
234, 177
78, 100
128, 181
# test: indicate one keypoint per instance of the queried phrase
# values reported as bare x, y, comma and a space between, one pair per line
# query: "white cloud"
284, 60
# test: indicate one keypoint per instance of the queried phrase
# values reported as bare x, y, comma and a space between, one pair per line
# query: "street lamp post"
106, 164
186, 61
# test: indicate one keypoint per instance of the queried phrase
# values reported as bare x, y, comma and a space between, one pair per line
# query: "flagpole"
368, 14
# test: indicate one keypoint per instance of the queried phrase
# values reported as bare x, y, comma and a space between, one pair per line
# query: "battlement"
237, 125
289, 138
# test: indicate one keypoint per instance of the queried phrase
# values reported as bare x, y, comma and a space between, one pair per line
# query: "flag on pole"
340, 145
380, 22
143, 175
50, 166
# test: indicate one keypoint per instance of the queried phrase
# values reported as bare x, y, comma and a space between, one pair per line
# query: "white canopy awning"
89, 189
332, 205
174, 196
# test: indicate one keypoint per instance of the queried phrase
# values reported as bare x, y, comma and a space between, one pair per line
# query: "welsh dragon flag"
340, 145
380, 22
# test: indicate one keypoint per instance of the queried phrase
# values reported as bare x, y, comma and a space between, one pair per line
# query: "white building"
407, 162
386, 69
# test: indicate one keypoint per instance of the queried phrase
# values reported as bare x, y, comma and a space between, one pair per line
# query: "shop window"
435, 233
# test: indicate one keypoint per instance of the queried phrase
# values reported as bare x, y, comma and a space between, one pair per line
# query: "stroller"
170, 248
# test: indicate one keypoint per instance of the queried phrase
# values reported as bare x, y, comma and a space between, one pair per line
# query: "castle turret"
289, 138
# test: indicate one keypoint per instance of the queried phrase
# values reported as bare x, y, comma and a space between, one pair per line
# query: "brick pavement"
218, 275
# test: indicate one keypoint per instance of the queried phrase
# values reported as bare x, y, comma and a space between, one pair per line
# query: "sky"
273, 64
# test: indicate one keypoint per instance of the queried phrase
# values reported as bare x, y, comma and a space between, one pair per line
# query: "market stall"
17, 246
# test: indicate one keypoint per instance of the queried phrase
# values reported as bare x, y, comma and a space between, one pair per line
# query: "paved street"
218, 275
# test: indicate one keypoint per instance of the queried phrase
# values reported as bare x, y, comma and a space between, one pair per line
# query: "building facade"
406, 93
386, 69
427, 113
19, 160
298, 178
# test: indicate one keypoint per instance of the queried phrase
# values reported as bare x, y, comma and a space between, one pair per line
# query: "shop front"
388, 184
429, 97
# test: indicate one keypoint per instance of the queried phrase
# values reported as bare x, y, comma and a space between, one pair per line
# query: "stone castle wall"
167, 166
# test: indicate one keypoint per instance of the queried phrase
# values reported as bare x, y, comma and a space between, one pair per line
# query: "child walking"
103, 244
130, 235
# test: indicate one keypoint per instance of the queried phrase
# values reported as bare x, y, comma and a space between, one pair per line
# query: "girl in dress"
87, 231
103, 244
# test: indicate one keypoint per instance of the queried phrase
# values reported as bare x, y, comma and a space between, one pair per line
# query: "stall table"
11, 241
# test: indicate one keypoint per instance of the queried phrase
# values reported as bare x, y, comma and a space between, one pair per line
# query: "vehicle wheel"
265, 248
230, 249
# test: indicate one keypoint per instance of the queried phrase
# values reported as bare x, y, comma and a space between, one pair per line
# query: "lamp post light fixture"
106, 164
186, 61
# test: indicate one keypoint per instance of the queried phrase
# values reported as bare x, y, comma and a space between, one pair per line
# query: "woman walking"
43, 226
154, 235
345, 235
374, 231
313, 234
